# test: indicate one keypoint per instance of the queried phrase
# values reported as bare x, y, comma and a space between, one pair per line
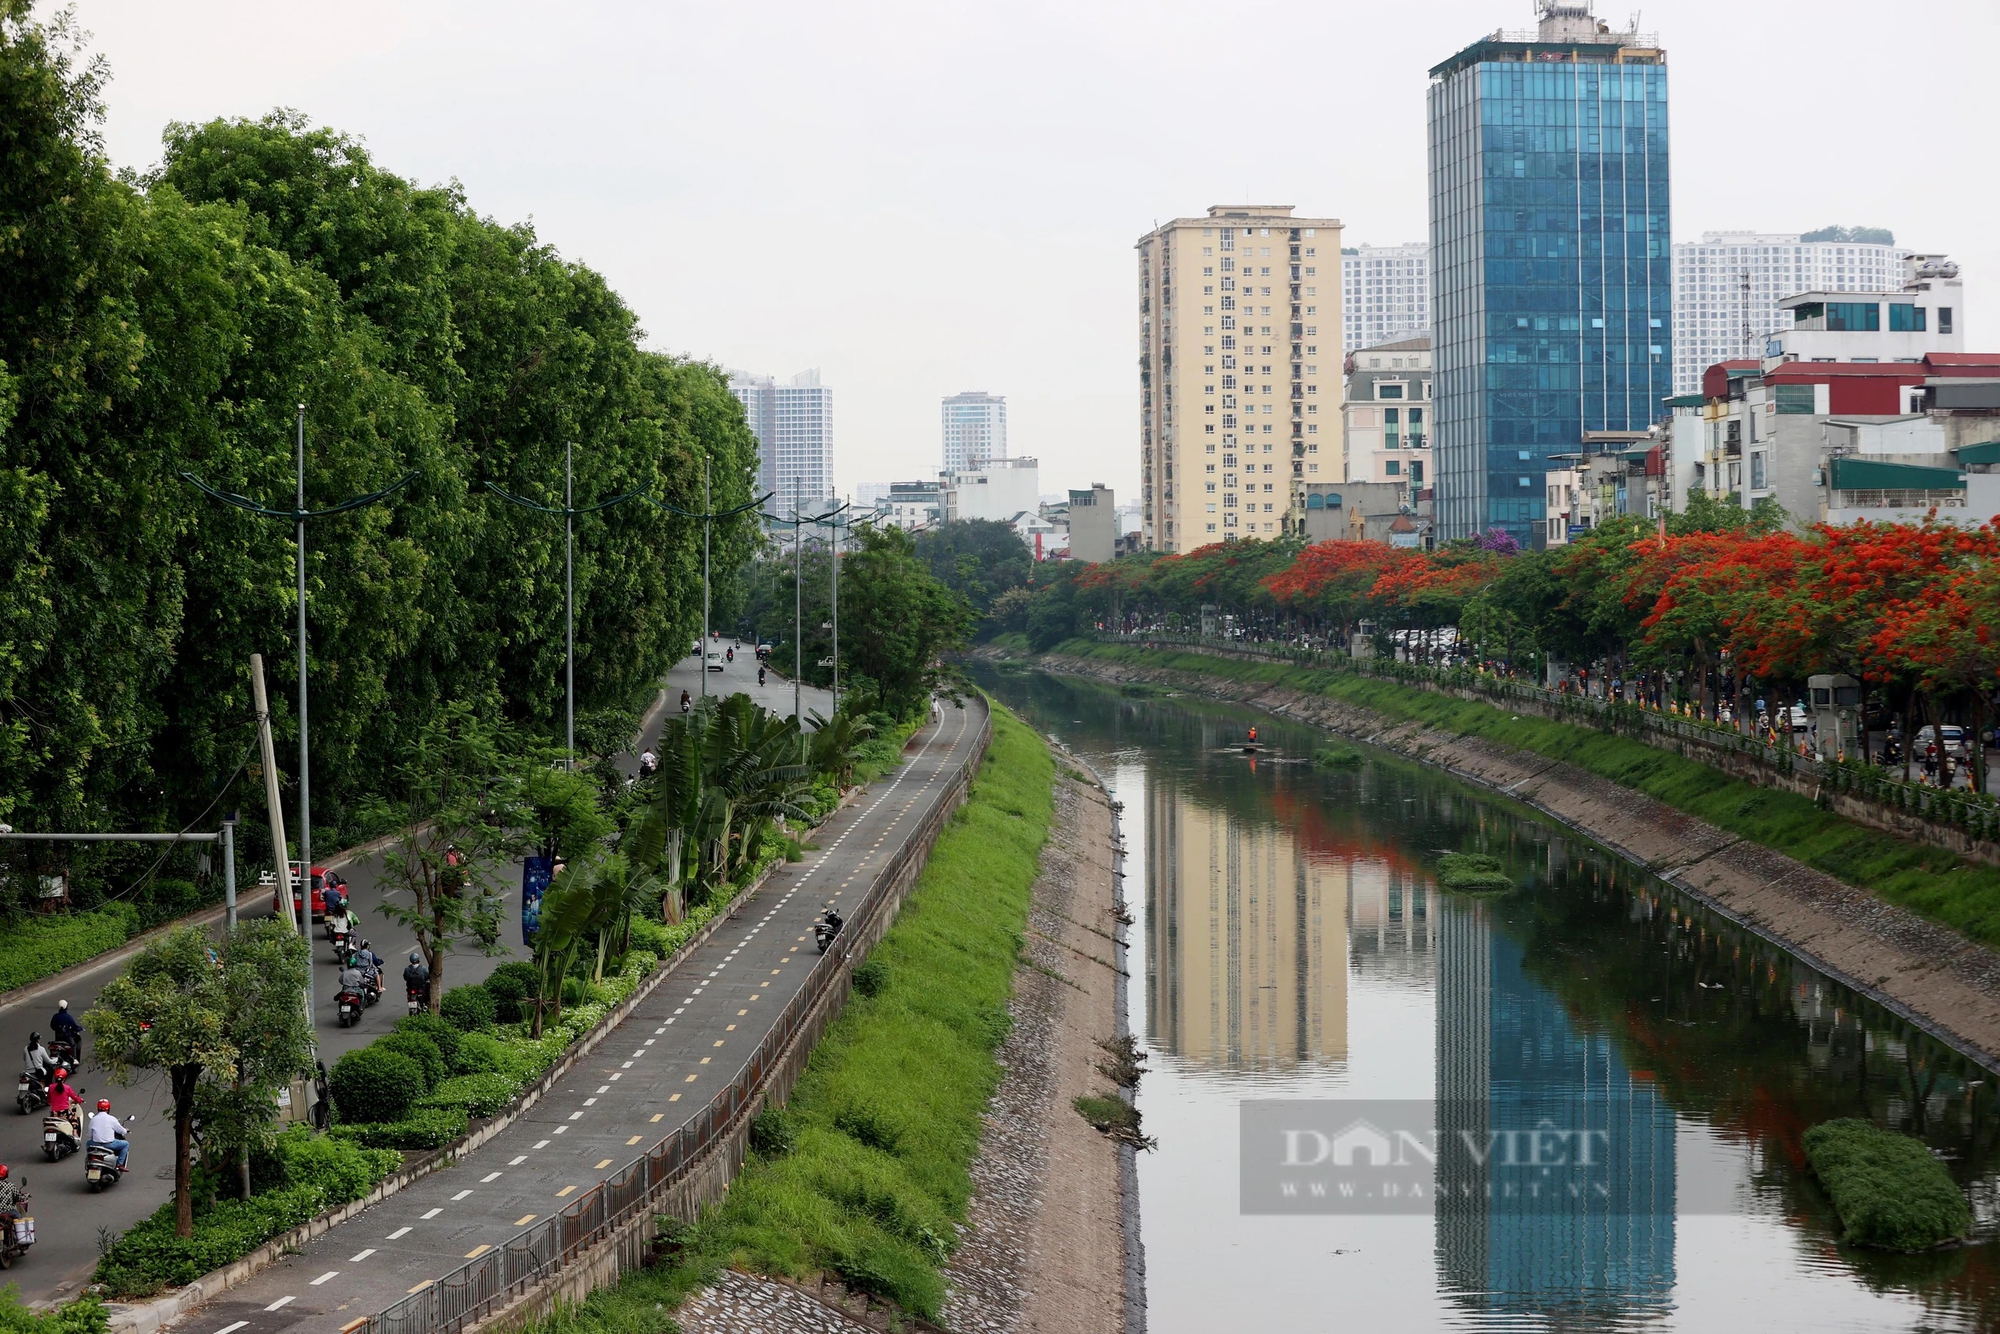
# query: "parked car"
1954, 739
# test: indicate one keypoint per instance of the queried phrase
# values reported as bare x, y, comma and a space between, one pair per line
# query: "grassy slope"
886, 1120
1960, 894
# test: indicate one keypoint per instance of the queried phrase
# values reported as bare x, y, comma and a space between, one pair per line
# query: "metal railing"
482, 1285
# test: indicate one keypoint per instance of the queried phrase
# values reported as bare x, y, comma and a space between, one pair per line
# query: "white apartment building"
975, 430
1236, 340
1001, 491
1385, 294
1727, 287
1388, 422
793, 423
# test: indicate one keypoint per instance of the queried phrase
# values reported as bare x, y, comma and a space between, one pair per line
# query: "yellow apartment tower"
1239, 330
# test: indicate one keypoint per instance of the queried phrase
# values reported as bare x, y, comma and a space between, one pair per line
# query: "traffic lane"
629, 1092
741, 677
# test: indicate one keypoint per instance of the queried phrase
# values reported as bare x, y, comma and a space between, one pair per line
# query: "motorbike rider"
370, 964
686, 702
65, 1102
67, 1029
760, 673
649, 763
833, 920
350, 979
39, 1062
334, 896
109, 1131
730, 653
11, 1195
418, 975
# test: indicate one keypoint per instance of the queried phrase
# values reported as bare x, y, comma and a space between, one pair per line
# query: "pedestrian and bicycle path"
656, 1071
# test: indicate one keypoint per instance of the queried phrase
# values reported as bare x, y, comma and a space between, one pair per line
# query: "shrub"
772, 1133
441, 1034
86, 1315
574, 990
485, 1054
469, 1009
426, 1128
653, 936
1336, 757
871, 977
375, 1084
582, 1018
479, 1095
512, 984
35, 947
1888, 1189
419, 1049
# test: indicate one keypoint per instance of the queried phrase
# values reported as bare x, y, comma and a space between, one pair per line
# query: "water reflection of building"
1391, 931
1246, 951
1509, 1058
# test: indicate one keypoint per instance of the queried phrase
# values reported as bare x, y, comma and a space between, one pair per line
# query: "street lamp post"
569, 511
298, 514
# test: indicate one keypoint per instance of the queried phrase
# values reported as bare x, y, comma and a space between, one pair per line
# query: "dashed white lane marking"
626, 1066
324, 1277
434, 1212
516, 1162
542, 1144
227, 1328
280, 1302
357, 1259
561, 1129
618, 1076
490, 1176
578, 1116
604, 1088
461, 1195
399, 1232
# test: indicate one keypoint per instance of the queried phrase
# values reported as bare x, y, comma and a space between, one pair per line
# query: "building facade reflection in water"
1508, 1057
1246, 950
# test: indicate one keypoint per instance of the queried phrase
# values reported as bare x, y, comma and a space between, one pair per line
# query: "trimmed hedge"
1889, 1189
32, 948
318, 1172
374, 1084
419, 1048
426, 1128
469, 1008
477, 1095
511, 985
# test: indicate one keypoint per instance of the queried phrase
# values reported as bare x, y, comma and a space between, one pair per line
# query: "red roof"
1982, 364
1715, 380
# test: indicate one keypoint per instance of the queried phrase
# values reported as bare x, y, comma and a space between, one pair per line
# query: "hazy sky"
919, 199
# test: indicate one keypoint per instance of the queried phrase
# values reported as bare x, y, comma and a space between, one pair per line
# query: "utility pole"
798, 615
707, 503
276, 813
569, 511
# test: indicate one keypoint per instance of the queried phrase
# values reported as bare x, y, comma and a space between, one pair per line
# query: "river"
1296, 966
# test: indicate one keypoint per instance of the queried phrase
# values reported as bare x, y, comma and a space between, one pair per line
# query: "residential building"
1093, 524
1237, 321
1386, 417
1770, 430
999, 491
1551, 274
909, 505
1728, 285
1385, 293
1926, 314
1906, 469
1616, 476
1366, 511
975, 430
793, 423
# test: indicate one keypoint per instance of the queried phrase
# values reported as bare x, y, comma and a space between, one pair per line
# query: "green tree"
454, 796
912, 620
181, 1007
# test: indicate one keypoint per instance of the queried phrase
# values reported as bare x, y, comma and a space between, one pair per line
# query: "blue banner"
535, 874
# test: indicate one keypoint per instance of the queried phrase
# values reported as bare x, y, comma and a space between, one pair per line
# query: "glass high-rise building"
975, 430
1552, 307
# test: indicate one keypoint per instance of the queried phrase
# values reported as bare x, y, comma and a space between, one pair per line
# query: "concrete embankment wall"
1928, 974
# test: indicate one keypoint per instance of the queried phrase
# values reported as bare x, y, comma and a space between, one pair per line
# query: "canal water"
1305, 994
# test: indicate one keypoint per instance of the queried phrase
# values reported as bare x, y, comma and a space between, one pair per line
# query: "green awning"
1685, 401
1987, 452
1859, 474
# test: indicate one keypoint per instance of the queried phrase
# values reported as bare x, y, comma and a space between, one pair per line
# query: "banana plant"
567, 909
834, 741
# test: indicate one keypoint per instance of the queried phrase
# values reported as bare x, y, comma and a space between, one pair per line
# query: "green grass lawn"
866, 1171
1947, 889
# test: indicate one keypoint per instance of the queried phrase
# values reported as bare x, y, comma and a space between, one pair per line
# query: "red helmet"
3, 1171
104, 1104
61, 1073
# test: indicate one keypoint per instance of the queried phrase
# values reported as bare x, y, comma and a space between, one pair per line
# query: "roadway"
67, 1216
654, 1073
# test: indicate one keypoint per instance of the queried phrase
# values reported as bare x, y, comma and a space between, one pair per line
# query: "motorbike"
824, 932
351, 1003
418, 994
343, 943
100, 1167
17, 1232
62, 1052
31, 1093
61, 1137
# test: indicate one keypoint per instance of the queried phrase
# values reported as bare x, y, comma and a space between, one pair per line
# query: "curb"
147, 1317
